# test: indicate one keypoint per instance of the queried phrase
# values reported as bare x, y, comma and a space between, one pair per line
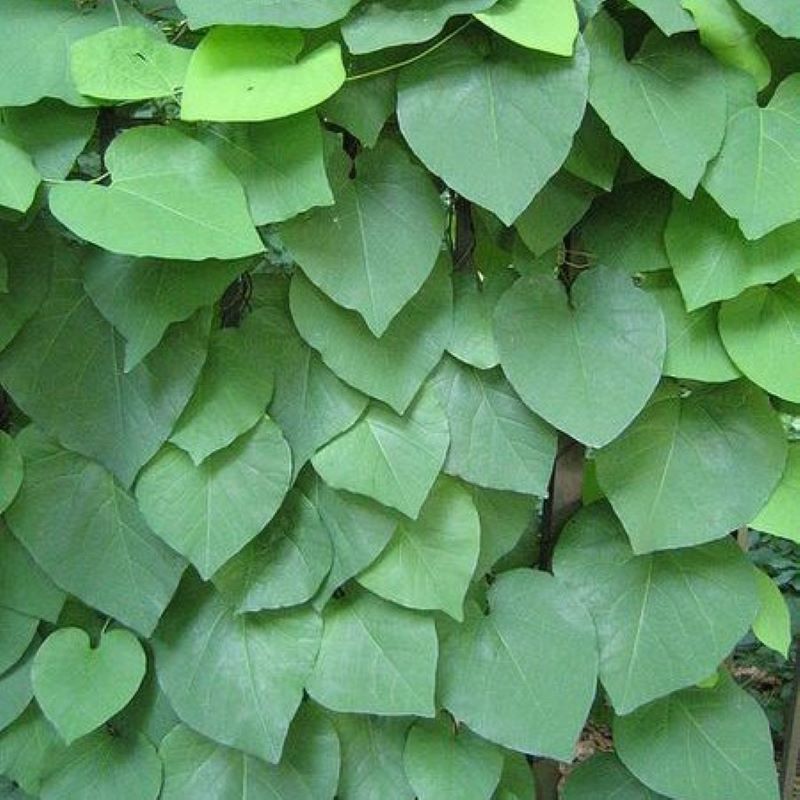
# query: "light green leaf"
170, 197
773, 625
282, 13
669, 15
782, 18
378, 24
516, 780
348, 250
279, 163
65, 370
10, 471
104, 552
495, 440
691, 469
429, 563
781, 514
16, 690
711, 258
604, 775
761, 331
372, 757
391, 368
105, 767
701, 744
440, 762
211, 511
756, 176
233, 391
16, 633
27, 750
250, 74
141, 297
284, 565
363, 106
79, 687
548, 25
128, 63
502, 673
586, 361
625, 229
667, 105
248, 668
392, 459
18, 177
199, 769
37, 36
512, 136
665, 620
595, 153
375, 658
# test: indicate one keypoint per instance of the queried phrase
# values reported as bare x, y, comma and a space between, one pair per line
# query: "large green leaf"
503, 674
79, 687
10, 470
429, 563
756, 176
248, 668
209, 512
587, 360
667, 105
665, 620
495, 440
282, 13
393, 459
549, 25
19, 179
778, 15
709, 744
375, 658
158, 174
440, 762
350, 251
37, 36
781, 514
691, 469
250, 74
761, 332
196, 768
279, 163
393, 367
711, 258
104, 552
604, 775
516, 112
65, 370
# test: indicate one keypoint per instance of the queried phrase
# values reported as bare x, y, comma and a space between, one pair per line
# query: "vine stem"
398, 64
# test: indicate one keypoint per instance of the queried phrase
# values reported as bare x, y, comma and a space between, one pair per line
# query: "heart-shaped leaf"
587, 362
159, 174
548, 25
250, 74
78, 686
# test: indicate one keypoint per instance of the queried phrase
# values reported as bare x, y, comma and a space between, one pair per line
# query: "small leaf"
18, 177
773, 625
10, 470
670, 17
595, 153
551, 26
781, 514
17, 631
282, 13
604, 775
362, 107
780, 17
16, 691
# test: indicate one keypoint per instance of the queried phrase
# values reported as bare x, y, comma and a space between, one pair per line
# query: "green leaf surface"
391, 368
503, 675
587, 362
363, 106
249, 668
595, 153
691, 469
392, 459
196, 768
251, 74
604, 775
127, 63
10, 470
516, 780
666, 105
104, 554
375, 658
281, 13
781, 514
210, 512
668, 15
79, 687
548, 25
778, 15
665, 620
348, 250
495, 440
159, 174
440, 763
16, 690
756, 176
19, 178
501, 165
27, 750
773, 625
16, 633
712, 744
761, 331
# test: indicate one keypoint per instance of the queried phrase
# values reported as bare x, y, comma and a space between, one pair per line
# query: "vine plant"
297, 299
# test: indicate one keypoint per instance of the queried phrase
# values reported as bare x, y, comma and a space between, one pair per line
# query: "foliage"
300, 303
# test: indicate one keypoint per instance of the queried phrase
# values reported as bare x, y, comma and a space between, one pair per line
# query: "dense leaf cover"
299, 302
